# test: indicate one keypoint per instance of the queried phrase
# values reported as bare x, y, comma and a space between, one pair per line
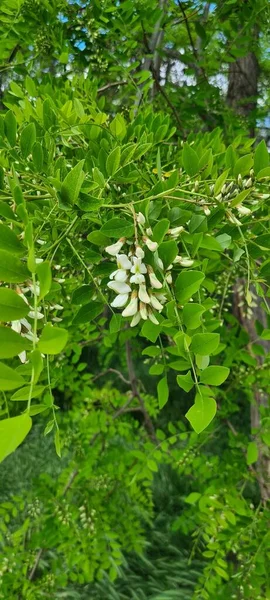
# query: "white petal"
149, 231
161, 298
152, 317
139, 252
243, 210
114, 249
119, 286
143, 311
120, 275
137, 278
140, 218
155, 283
155, 303
135, 320
22, 356
153, 246
131, 309
26, 324
176, 231
38, 261
35, 315
16, 326
143, 295
186, 262
168, 278
120, 301
160, 264
123, 261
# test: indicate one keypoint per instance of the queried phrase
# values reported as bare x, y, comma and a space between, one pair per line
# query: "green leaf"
11, 343
243, 165
192, 498
57, 443
118, 127
88, 312
49, 117
214, 375
230, 158
190, 160
261, 157
240, 197
150, 331
252, 453
12, 433
115, 323
11, 268
151, 351
156, 369
9, 241
24, 392
167, 251
12, 306
45, 278
192, 315
204, 343
9, 379
160, 230
30, 86
263, 240
36, 409
185, 382
98, 177
220, 182
6, 211
10, 127
265, 335
98, 238
113, 161
187, 284
72, 184
82, 295
52, 340
37, 156
202, 412
27, 140
163, 392
117, 228
37, 364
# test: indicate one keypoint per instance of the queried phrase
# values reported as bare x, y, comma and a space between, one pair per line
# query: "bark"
242, 97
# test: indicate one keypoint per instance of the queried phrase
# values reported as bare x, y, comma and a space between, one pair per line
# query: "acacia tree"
127, 231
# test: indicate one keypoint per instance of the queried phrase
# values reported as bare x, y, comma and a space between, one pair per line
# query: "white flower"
38, 261
243, 211
152, 318
175, 232
184, 261
139, 252
206, 211
149, 231
136, 319
119, 286
234, 220
120, 301
153, 246
35, 314
16, 326
119, 275
143, 311
22, 357
169, 278
140, 218
160, 264
143, 295
138, 266
114, 249
132, 308
161, 298
155, 302
123, 261
155, 283
137, 278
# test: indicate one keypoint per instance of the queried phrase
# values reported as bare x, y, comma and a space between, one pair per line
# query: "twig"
112, 371
133, 381
110, 85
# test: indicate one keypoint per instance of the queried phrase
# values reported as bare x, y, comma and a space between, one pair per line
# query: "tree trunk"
242, 97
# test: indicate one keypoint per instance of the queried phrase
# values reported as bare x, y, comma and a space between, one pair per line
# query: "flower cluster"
139, 291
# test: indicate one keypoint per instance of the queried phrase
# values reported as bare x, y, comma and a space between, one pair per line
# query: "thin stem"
90, 274
34, 340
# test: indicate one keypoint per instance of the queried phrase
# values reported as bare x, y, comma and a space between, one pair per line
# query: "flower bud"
143, 311
155, 283
140, 219
153, 246
120, 301
115, 248
136, 319
239, 180
243, 210
143, 294
132, 308
175, 232
248, 183
139, 252
152, 317
149, 231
